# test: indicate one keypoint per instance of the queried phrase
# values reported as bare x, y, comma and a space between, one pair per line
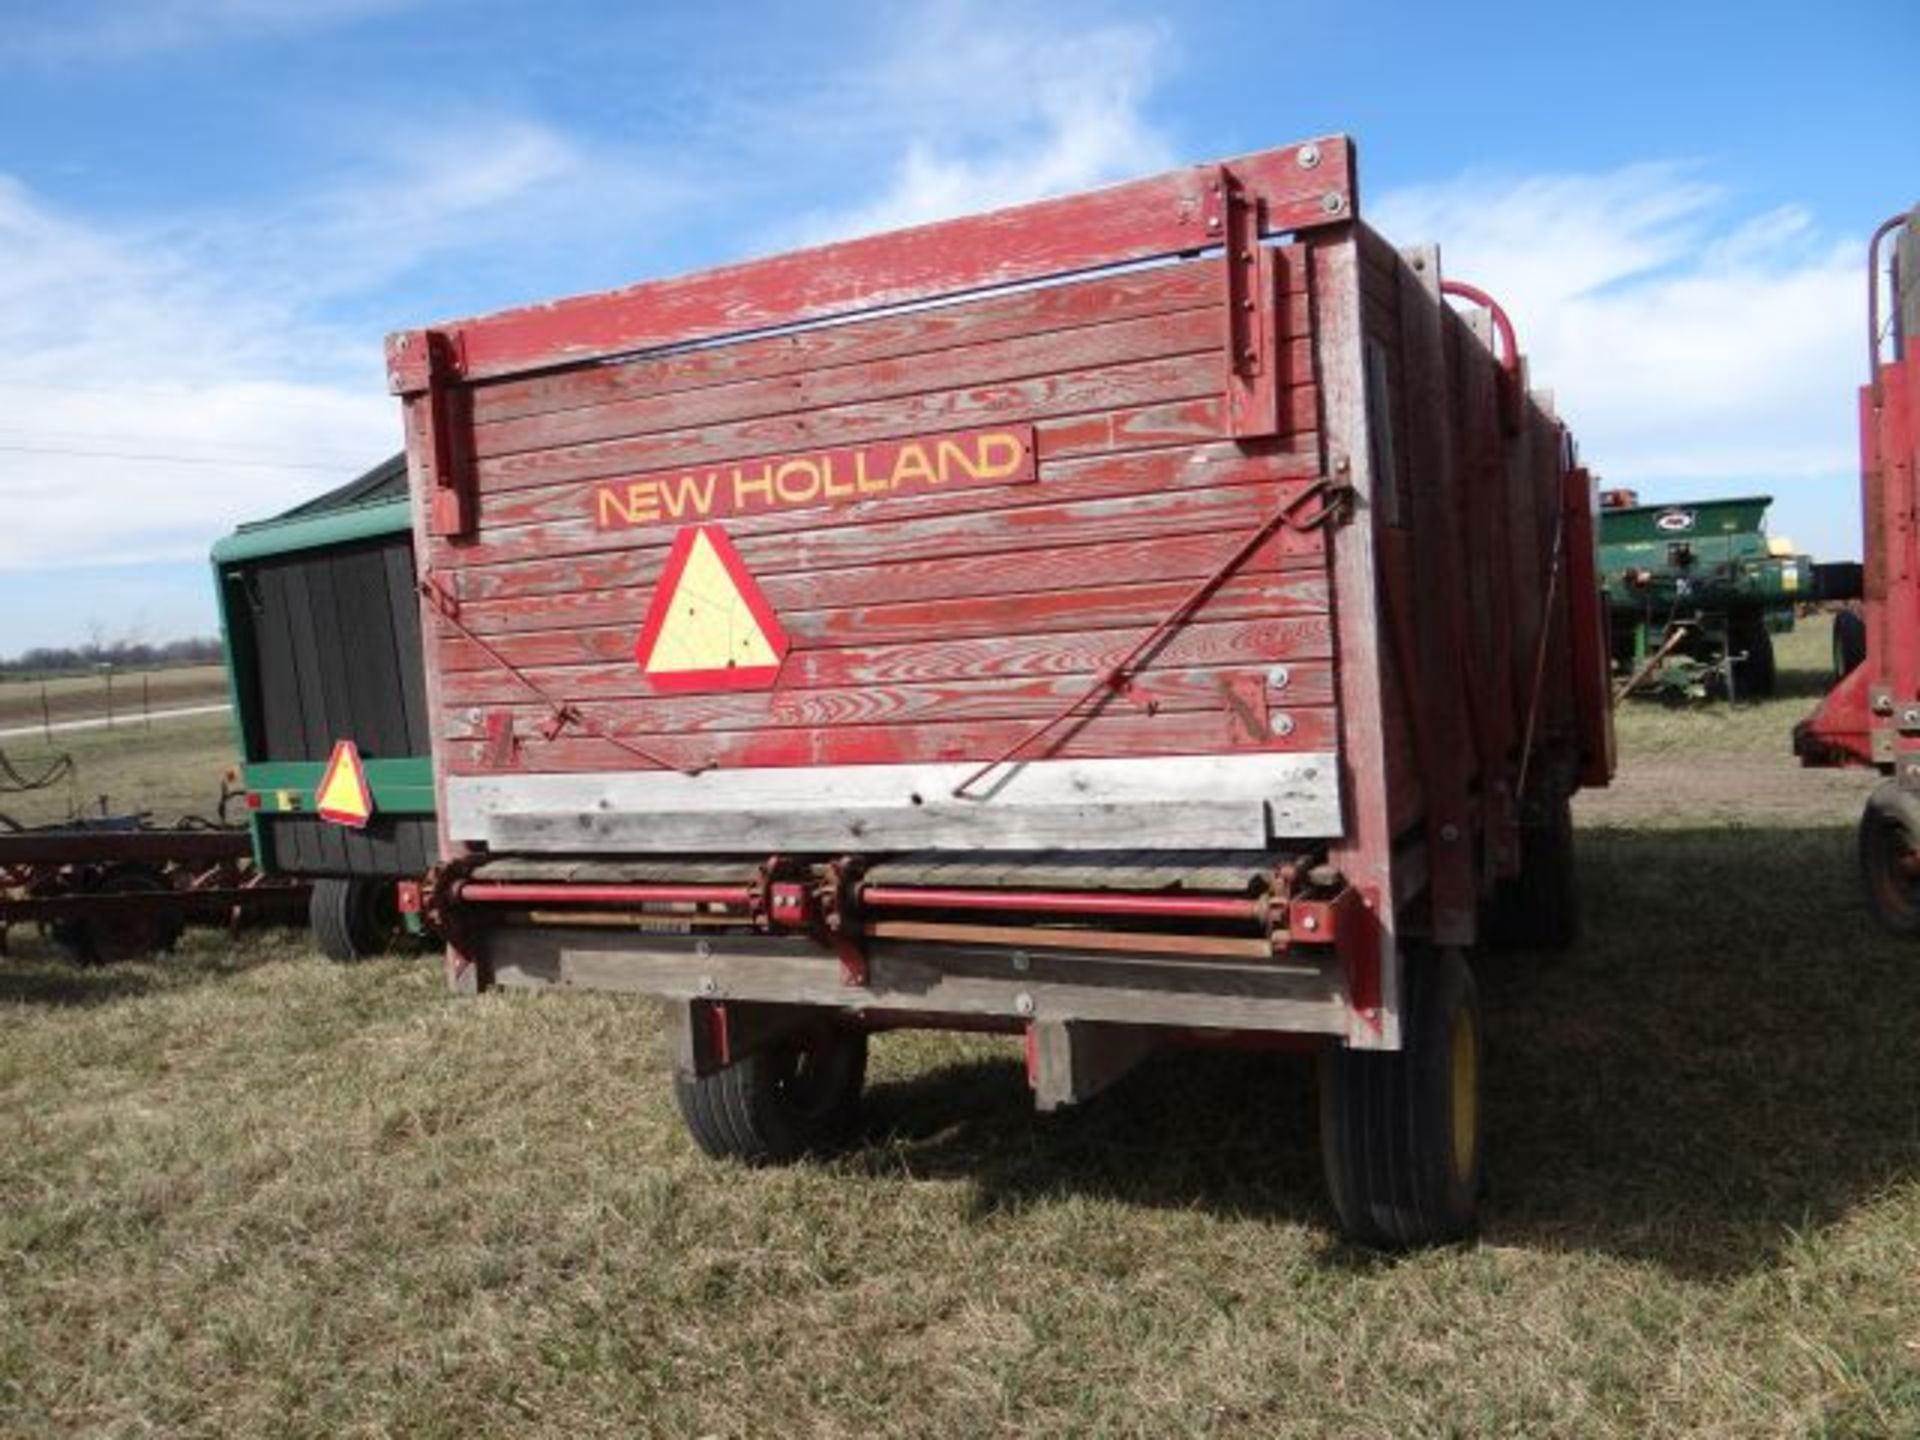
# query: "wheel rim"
811, 1075
1464, 1055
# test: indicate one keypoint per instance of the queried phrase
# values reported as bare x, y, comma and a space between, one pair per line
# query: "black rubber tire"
130, 935
795, 1096
355, 919
1401, 1132
1849, 643
1893, 894
1753, 677
1539, 909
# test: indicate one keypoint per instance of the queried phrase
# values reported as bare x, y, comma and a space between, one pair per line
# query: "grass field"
172, 769
246, 1193
84, 697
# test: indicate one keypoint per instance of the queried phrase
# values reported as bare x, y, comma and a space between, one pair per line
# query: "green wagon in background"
1696, 591
322, 632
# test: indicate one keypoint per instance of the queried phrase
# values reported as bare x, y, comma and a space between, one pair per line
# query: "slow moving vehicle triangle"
344, 796
709, 627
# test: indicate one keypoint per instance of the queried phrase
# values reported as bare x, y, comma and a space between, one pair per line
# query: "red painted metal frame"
1872, 717
736, 677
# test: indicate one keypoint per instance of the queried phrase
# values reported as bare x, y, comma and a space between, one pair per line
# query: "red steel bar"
1887, 227
1065, 902
1510, 359
482, 892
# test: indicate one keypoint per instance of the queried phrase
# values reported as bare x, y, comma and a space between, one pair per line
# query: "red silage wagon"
1148, 616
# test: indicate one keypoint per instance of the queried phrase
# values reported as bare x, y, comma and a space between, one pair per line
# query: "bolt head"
1309, 923
1308, 156
1278, 677
1023, 1002
1282, 723
1021, 961
1333, 202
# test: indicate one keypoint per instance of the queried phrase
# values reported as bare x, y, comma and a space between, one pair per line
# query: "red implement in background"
1872, 716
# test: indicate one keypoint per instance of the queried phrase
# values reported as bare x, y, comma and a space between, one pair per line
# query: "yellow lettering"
745, 485
797, 495
833, 489
912, 464
689, 494
1009, 449
865, 484
607, 502
950, 455
641, 506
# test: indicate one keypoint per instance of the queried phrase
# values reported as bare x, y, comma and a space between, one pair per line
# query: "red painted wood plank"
1200, 643
1039, 397
1100, 300
1256, 597
1184, 332
1001, 551
553, 527
1300, 646
1163, 554
1304, 638
1107, 734
1146, 219
622, 692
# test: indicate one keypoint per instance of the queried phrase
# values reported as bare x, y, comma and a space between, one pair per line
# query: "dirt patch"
1690, 790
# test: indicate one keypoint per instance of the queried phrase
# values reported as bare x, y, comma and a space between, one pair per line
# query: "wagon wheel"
1890, 858
103, 937
356, 919
1539, 909
798, 1094
1849, 643
1753, 674
1401, 1131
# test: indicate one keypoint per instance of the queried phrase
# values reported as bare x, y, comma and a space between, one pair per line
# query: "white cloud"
210, 339
1693, 349
995, 114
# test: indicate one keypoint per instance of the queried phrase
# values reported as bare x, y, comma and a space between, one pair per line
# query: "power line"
138, 457
126, 437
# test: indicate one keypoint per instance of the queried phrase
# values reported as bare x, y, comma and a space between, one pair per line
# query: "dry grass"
171, 769
81, 697
245, 1193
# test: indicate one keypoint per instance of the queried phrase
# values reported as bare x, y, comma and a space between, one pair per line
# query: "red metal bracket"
503, 746
1356, 936
426, 367
1252, 294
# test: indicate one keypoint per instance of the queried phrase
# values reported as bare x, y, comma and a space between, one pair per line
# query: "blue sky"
211, 211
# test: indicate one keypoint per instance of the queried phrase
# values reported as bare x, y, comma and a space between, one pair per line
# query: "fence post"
46, 714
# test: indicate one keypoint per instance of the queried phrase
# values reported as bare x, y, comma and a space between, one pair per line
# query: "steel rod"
1064, 902
482, 892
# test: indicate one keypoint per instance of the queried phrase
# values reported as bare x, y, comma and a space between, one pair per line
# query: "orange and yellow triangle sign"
344, 796
709, 627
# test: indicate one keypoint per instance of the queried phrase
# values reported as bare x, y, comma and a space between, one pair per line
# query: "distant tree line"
121, 654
